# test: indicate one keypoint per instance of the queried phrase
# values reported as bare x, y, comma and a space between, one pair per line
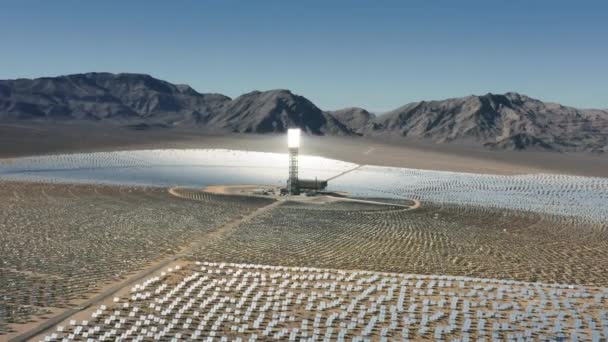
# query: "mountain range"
496, 121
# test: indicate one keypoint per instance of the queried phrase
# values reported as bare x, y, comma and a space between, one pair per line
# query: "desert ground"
101, 262
19, 139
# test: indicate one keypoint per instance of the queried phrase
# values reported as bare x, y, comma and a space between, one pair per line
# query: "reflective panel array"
248, 302
187, 167
433, 239
583, 197
59, 242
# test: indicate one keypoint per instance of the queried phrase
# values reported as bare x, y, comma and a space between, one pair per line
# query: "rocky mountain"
510, 121
142, 99
105, 96
274, 111
356, 119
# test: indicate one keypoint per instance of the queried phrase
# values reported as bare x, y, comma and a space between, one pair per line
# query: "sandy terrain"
34, 139
235, 189
383, 204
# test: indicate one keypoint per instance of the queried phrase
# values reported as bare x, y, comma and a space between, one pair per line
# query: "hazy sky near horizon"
373, 54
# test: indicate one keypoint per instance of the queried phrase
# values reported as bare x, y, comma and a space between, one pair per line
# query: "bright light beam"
293, 138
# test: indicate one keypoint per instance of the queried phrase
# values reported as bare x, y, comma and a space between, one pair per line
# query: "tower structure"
293, 144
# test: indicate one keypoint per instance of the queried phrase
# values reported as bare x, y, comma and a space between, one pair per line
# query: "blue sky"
374, 54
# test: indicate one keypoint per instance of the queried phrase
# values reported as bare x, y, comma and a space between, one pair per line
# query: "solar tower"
293, 144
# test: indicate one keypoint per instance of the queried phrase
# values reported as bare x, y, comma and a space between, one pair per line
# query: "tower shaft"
292, 182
